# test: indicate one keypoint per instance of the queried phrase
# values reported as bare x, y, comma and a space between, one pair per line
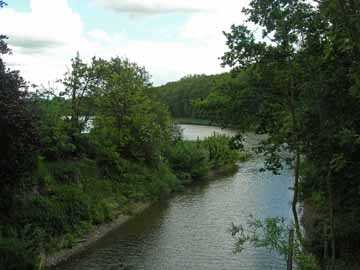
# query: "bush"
56, 142
66, 173
163, 182
192, 160
45, 213
76, 204
59, 213
15, 254
189, 160
220, 151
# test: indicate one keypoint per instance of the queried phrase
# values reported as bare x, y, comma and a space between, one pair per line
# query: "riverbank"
77, 201
95, 234
189, 230
100, 231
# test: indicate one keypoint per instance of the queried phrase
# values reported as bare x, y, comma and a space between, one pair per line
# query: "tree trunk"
331, 219
297, 163
295, 197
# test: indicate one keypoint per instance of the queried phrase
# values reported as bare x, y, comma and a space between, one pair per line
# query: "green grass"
72, 196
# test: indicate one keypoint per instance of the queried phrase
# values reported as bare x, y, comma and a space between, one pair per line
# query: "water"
190, 231
193, 132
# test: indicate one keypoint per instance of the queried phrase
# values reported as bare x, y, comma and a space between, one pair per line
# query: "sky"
170, 38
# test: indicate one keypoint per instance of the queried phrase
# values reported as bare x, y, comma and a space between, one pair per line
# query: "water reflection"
194, 132
190, 231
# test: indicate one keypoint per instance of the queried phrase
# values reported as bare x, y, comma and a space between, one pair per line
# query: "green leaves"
306, 82
244, 50
130, 123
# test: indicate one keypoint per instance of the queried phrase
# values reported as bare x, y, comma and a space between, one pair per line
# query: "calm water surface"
193, 132
190, 231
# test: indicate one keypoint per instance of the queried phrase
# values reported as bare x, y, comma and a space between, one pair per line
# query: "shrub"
59, 213
220, 151
163, 182
189, 160
75, 203
46, 213
65, 172
15, 254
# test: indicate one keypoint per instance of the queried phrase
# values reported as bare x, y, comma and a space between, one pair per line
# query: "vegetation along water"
106, 141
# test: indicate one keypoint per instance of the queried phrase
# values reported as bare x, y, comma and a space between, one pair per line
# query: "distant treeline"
180, 96
216, 98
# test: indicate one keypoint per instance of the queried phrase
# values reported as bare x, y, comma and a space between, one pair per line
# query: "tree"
306, 83
18, 136
180, 96
80, 83
135, 126
333, 54
278, 75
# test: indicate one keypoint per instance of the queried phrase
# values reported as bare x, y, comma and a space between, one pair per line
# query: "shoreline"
194, 121
100, 231
96, 233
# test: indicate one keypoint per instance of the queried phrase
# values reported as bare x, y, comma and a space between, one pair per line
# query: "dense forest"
180, 96
299, 85
216, 99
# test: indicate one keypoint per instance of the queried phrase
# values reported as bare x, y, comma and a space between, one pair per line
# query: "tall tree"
284, 23
136, 125
306, 79
18, 136
80, 83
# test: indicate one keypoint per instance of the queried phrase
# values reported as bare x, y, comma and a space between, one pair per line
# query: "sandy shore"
95, 234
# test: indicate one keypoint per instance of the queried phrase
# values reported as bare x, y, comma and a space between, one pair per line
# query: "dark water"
190, 231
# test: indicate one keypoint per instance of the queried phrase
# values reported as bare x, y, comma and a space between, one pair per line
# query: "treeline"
300, 86
82, 154
180, 96
210, 99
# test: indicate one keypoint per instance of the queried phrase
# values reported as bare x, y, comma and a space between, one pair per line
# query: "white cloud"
47, 37
44, 39
102, 36
154, 6
49, 24
201, 39
170, 61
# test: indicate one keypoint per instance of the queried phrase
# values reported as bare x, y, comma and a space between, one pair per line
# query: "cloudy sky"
171, 38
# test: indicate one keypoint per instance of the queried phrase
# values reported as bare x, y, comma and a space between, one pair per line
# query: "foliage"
182, 96
273, 235
80, 84
300, 87
53, 192
18, 136
189, 160
17, 254
192, 160
220, 151
135, 126
55, 137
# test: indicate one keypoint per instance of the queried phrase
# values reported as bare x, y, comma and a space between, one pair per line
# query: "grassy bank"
90, 238
72, 198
